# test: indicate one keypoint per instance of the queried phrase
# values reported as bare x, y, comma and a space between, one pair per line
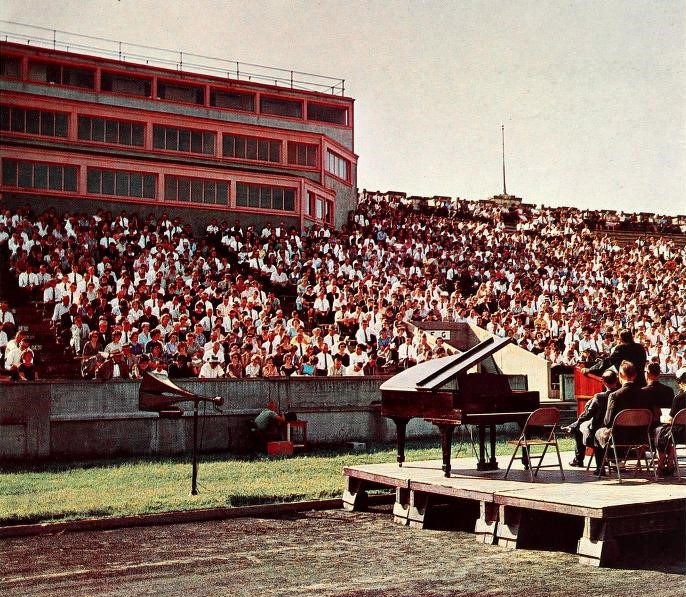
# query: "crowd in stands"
126, 293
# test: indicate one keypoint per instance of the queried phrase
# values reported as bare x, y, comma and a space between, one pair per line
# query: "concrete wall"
82, 419
86, 419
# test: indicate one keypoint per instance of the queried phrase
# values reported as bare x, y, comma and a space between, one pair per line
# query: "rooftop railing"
171, 59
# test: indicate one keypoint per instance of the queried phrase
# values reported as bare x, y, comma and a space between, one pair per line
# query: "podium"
585, 387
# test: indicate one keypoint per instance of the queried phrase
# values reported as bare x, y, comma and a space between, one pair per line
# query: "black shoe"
666, 471
599, 472
577, 462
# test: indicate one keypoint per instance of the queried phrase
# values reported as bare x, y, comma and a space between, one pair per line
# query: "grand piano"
444, 392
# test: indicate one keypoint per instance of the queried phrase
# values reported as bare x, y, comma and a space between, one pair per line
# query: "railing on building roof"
182, 61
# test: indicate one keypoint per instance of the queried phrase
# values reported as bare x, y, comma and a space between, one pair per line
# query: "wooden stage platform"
509, 510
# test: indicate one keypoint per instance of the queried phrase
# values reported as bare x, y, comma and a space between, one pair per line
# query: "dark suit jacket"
634, 353
593, 411
658, 396
630, 395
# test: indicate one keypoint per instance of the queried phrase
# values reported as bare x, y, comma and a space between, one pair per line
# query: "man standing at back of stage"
625, 350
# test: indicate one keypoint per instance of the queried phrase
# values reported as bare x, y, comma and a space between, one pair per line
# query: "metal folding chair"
539, 430
630, 434
677, 440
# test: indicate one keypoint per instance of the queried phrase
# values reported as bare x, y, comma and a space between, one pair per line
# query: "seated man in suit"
630, 395
667, 432
658, 395
591, 419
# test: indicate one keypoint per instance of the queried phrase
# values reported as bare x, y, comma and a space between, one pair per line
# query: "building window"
122, 184
173, 139
36, 122
319, 209
38, 175
126, 85
323, 208
233, 100
10, 66
196, 190
117, 132
181, 93
337, 165
56, 74
333, 114
251, 148
264, 197
281, 107
302, 154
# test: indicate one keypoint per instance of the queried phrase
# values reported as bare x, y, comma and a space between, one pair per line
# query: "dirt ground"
319, 553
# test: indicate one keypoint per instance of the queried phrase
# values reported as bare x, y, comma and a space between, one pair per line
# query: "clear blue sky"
592, 94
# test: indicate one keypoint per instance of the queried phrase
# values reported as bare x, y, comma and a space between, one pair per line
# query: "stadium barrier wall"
87, 419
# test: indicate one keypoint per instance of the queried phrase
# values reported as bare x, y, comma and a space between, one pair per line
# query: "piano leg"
492, 463
481, 465
446, 446
400, 425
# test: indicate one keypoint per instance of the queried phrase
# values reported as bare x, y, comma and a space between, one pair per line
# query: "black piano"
444, 392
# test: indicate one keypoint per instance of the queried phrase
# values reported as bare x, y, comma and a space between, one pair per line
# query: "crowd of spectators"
126, 293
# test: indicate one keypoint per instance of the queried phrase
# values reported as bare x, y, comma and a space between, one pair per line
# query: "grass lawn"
68, 491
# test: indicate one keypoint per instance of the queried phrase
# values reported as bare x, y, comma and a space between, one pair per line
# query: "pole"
503, 133
194, 482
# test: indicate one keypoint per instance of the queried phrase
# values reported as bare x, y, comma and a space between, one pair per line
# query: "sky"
592, 94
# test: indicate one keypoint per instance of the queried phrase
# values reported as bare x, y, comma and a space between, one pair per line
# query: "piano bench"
296, 433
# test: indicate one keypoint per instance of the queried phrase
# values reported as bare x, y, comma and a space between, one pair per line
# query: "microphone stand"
194, 482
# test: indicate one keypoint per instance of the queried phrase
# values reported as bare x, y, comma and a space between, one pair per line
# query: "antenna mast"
502, 127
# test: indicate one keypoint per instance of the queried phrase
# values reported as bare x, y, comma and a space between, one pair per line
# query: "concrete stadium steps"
53, 360
627, 237
567, 410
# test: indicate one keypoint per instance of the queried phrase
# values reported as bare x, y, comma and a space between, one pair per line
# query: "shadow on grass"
319, 451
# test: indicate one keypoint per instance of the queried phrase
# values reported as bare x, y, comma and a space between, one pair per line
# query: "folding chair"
539, 430
630, 433
677, 440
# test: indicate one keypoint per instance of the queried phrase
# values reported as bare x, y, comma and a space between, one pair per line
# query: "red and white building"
81, 131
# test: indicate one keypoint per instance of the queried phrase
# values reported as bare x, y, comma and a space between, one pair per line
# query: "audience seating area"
244, 301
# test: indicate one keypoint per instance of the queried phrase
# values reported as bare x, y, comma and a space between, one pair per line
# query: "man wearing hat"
113, 367
211, 369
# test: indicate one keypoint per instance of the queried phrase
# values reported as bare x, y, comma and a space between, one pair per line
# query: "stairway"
53, 361
567, 410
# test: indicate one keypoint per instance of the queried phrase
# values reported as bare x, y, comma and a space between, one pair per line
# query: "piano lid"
433, 374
